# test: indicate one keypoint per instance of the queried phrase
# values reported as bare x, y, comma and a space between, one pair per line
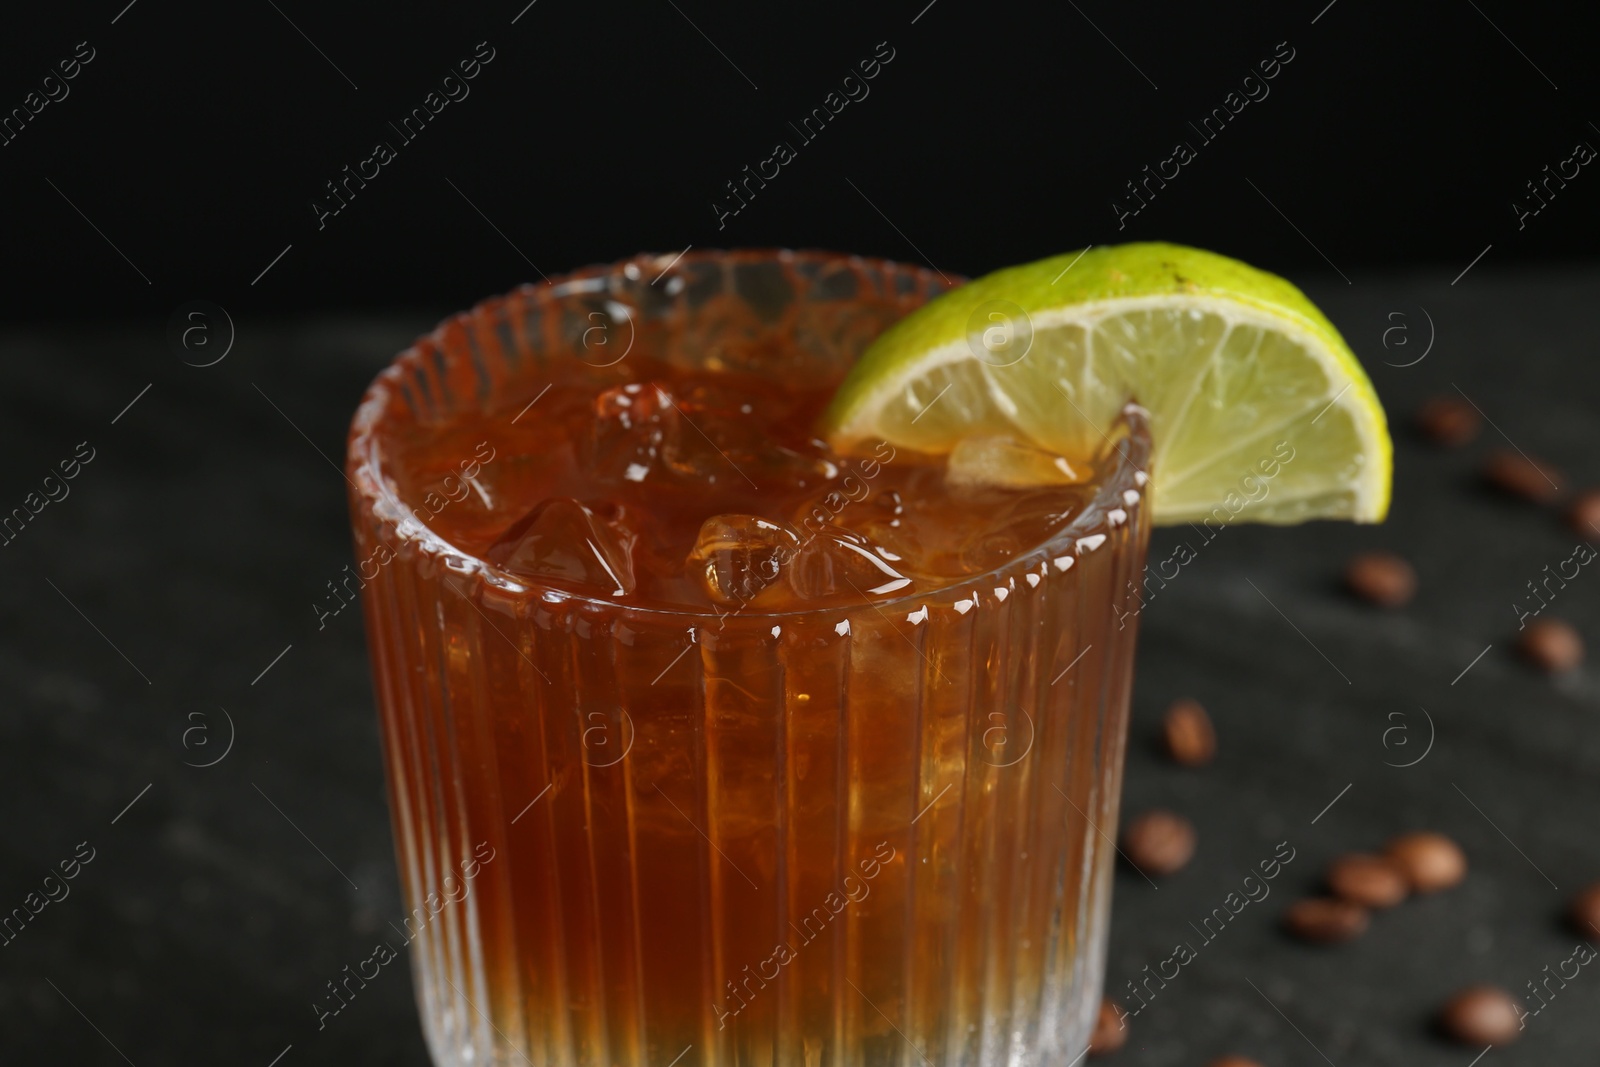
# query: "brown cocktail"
785, 757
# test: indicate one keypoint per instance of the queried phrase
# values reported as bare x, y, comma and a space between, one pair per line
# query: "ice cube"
564, 539
834, 561
633, 425
882, 517
739, 559
1007, 462
465, 506
645, 432
1021, 522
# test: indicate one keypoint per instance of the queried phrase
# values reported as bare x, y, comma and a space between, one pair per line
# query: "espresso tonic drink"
709, 746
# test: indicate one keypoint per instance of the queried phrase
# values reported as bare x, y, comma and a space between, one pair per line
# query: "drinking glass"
870, 834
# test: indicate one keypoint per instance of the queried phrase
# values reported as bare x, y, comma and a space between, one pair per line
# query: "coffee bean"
1551, 645
1584, 515
1110, 1032
1233, 1061
1371, 881
1448, 420
1481, 1015
1381, 578
1519, 476
1584, 912
1159, 842
1429, 861
1187, 731
1324, 920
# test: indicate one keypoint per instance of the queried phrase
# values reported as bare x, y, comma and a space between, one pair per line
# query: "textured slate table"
170, 593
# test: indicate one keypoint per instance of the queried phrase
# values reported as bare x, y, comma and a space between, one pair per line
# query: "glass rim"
1124, 487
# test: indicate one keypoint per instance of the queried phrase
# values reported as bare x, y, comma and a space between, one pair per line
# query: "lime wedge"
1253, 395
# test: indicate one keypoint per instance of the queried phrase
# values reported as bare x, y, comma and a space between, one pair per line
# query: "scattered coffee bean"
1110, 1032
1584, 912
1381, 578
1516, 474
1233, 1061
1584, 515
1159, 842
1481, 1015
1187, 730
1371, 881
1552, 645
1448, 420
1429, 861
1324, 920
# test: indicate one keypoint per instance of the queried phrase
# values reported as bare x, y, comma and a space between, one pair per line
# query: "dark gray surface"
206, 527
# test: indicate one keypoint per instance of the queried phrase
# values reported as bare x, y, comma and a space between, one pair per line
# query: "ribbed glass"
875, 834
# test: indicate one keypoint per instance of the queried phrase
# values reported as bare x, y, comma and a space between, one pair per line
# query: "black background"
199, 136
179, 576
